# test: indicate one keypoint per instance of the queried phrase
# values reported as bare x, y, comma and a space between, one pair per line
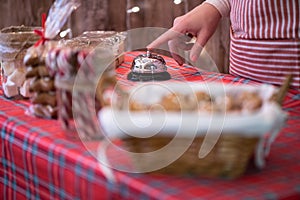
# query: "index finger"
165, 37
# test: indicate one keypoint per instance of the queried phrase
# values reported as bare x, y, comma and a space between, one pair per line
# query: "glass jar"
82, 76
14, 41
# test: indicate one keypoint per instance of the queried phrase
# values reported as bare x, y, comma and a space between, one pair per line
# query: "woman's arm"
223, 6
201, 22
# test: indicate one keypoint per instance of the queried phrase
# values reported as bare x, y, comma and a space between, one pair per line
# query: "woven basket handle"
264, 145
283, 89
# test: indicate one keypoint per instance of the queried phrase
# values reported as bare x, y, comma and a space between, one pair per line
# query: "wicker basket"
228, 141
228, 159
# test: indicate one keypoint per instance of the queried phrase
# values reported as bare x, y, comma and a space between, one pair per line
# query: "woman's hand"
201, 23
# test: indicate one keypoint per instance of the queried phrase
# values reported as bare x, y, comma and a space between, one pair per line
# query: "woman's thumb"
201, 40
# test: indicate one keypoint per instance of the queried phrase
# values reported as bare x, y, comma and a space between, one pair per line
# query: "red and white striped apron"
265, 40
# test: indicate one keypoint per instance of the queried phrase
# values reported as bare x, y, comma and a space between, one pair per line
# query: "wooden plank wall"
112, 15
18, 12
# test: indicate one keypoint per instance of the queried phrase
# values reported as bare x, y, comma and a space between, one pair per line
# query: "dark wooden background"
112, 15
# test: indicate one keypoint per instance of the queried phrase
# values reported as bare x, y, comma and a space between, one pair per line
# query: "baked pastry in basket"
201, 101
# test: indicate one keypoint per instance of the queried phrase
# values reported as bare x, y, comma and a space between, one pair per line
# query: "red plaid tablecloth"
39, 162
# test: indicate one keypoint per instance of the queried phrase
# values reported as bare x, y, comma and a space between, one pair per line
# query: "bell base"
162, 76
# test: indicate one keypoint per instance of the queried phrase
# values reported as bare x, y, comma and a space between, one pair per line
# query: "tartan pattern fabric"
39, 162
